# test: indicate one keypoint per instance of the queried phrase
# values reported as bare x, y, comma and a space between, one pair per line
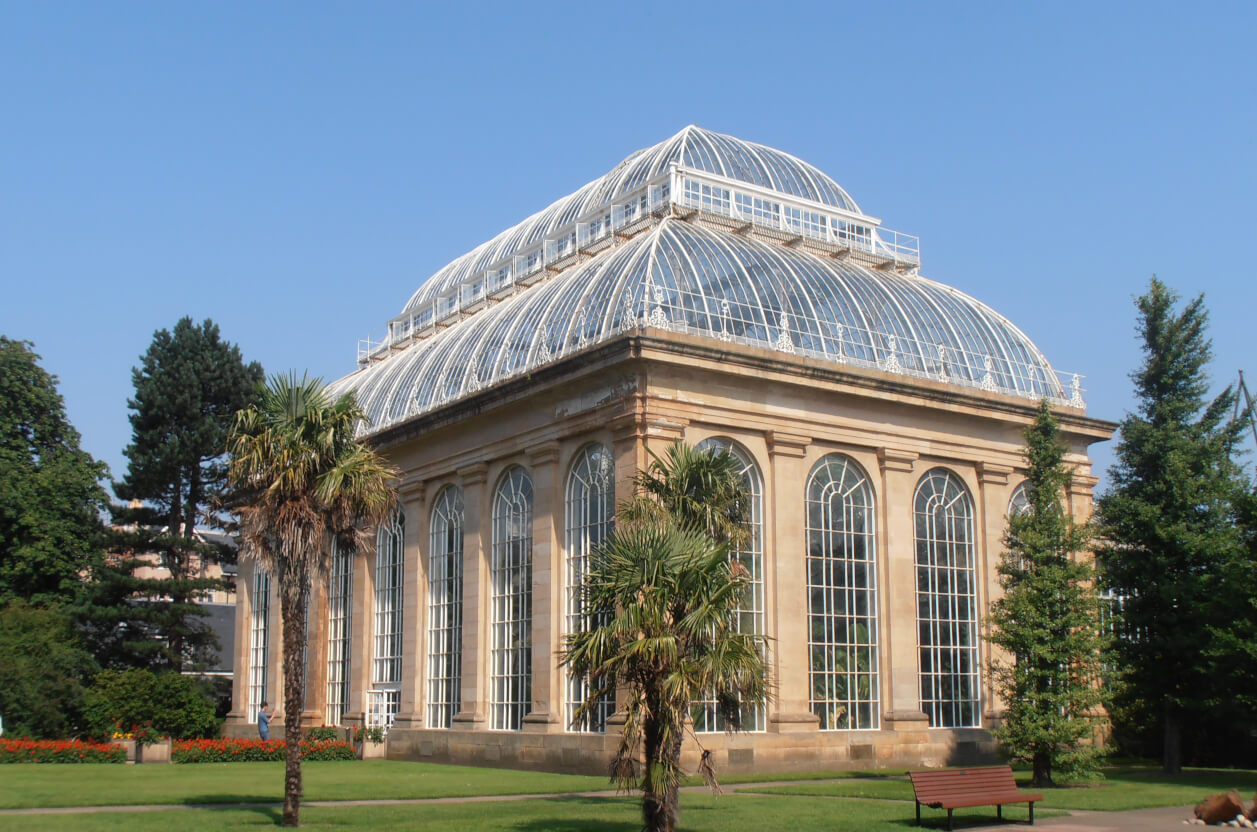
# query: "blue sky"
295, 170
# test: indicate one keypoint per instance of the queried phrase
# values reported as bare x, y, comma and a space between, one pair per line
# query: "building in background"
730, 295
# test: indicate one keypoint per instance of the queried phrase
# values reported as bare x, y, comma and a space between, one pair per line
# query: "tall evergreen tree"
1048, 621
188, 387
50, 492
1168, 523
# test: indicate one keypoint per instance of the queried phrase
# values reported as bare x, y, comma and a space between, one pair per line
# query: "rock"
1220, 808
1252, 810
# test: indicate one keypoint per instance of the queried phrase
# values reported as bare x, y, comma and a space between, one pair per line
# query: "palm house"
731, 295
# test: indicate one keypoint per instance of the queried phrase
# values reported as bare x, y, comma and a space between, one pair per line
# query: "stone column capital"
992, 473
474, 474
545, 453
893, 459
411, 490
787, 444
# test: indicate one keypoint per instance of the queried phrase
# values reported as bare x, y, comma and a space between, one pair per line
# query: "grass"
699, 813
1127, 787
25, 786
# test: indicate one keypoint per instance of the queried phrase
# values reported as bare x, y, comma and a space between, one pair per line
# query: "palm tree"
702, 489
673, 638
305, 481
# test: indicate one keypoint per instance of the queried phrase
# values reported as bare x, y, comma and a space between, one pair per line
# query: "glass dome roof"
694, 147
687, 277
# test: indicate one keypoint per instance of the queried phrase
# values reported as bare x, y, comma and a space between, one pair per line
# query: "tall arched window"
340, 584
842, 596
445, 608
510, 654
1019, 503
750, 617
384, 698
947, 614
259, 640
590, 509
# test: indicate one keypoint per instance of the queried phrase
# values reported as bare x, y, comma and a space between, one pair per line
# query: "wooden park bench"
958, 788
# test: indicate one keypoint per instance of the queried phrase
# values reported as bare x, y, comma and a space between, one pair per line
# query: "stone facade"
637, 392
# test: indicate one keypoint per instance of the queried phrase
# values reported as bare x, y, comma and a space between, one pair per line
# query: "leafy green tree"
1168, 523
50, 492
189, 385
42, 669
668, 575
178, 706
1048, 621
305, 481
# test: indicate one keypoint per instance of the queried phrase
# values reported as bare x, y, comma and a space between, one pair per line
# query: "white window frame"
384, 697
510, 654
947, 604
340, 583
589, 517
259, 641
445, 608
842, 561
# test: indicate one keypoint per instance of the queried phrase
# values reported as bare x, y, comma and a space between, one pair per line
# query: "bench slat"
963, 788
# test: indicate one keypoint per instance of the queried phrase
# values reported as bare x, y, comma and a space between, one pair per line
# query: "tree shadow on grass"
594, 823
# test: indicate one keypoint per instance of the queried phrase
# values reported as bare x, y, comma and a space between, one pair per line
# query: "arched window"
751, 555
445, 608
259, 640
590, 510
842, 596
1019, 503
340, 585
947, 615
510, 655
384, 698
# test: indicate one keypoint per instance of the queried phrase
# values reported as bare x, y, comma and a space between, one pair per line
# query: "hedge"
251, 751
60, 751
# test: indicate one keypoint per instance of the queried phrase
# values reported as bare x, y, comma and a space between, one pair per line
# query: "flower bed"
250, 751
60, 751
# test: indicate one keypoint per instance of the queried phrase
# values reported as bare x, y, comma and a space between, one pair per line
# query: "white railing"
681, 186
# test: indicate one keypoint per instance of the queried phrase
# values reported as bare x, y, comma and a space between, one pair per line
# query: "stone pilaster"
993, 495
786, 563
547, 601
901, 687
473, 710
414, 592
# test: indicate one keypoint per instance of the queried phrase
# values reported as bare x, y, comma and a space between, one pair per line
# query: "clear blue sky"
295, 170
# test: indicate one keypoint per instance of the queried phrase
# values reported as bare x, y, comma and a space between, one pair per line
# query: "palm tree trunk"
293, 613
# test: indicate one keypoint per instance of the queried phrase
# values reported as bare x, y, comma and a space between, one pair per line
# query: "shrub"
176, 705
253, 751
323, 732
60, 751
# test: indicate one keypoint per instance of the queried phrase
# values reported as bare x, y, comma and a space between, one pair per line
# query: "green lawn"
23, 786
699, 813
1125, 788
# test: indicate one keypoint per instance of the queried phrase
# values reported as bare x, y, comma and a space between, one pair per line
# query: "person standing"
264, 722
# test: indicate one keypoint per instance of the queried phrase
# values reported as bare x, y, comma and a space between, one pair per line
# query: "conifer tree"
1048, 621
1168, 524
187, 390
50, 492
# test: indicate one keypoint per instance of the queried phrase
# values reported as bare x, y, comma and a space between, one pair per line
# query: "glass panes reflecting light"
386, 666
340, 584
590, 509
947, 622
750, 617
445, 608
842, 596
510, 654
259, 641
